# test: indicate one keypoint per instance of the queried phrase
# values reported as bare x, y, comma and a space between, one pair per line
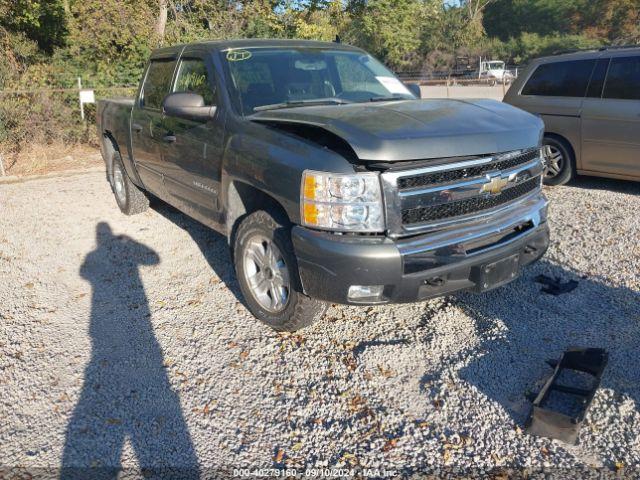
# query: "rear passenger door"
611, 121
147, 130
193, 161
556, 92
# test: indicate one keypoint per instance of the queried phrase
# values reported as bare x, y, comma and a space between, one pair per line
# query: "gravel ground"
123, 339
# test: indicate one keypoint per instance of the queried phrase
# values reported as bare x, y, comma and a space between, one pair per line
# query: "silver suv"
590, 104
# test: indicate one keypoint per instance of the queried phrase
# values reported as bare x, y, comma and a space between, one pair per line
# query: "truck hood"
418, 129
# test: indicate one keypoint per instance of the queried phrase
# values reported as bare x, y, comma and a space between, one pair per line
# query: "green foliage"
607, 20
43, 21
393, 29
531, 45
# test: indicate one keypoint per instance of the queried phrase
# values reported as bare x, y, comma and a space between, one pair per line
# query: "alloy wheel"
554, 162
266, 273
118, 183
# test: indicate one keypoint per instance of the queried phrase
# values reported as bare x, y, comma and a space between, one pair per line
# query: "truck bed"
113, 117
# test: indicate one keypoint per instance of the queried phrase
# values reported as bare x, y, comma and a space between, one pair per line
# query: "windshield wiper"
390, 98
302, 103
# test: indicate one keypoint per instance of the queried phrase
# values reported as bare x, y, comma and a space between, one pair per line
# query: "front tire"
130, 199
267, 272
559, 162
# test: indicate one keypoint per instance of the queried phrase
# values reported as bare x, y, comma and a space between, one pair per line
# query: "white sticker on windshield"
393, 85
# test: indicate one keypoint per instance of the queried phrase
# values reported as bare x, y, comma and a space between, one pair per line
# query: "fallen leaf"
446, 456
350, 363
114, 421
349, 345
244, 354
351, 458
29, 285
386, 372
356, 403
168, 362
391, 444
279, 456
297, 447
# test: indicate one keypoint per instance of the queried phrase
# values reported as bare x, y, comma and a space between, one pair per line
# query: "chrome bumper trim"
532, 209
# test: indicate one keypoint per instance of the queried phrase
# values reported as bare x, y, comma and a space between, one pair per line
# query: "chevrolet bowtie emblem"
495, 185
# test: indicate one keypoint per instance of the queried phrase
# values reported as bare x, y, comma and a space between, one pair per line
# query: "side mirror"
415, 89
187, 105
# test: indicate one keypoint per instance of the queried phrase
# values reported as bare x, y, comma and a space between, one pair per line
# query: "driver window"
193, 78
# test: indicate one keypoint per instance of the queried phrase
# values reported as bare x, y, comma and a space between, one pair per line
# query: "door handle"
136, 128
169, 138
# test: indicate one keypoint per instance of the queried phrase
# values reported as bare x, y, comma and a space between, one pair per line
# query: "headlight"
339, 202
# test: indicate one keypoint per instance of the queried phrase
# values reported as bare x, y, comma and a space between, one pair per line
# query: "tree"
43, 21
393, 29
161, 22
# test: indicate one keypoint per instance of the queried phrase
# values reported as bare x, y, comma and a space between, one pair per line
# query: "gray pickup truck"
331, 179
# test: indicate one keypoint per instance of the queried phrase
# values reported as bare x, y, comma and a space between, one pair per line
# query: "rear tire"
130, 199
267, 271
559, 164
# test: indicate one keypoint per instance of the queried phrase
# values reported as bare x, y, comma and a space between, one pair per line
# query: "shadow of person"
126, 393
519, 328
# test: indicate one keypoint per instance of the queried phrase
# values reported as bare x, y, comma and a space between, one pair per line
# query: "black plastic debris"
562, 404
555, 286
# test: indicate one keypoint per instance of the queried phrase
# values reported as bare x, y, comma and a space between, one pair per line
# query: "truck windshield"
263, 78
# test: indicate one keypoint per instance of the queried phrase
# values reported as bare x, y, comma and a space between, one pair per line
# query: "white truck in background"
495, 71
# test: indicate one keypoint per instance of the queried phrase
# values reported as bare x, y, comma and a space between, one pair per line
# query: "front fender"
273, 162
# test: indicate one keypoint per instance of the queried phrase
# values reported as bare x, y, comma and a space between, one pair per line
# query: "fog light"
365, 293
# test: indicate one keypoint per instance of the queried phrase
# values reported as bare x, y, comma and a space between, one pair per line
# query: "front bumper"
476, 257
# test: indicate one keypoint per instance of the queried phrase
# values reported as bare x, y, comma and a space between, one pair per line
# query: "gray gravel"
135, 348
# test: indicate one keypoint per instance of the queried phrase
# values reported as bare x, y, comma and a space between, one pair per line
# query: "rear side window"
157, 83
193, 77
623, 80
560, 79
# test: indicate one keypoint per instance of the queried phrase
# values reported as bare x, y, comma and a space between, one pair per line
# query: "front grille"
435, 178
465, 207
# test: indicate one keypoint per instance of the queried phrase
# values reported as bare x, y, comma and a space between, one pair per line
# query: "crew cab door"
611, 122
193, 157
147, 132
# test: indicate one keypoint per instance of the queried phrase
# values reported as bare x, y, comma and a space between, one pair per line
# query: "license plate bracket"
496, 274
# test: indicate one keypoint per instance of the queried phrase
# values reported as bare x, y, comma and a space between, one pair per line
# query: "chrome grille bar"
483, 186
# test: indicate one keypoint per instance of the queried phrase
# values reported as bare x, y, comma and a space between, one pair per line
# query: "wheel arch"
565, 140
243, 199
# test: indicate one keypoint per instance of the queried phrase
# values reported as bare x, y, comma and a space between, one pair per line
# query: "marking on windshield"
238, 55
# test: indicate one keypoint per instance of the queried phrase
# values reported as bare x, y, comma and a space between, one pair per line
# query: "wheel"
267, 272
559, 161
129, 197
